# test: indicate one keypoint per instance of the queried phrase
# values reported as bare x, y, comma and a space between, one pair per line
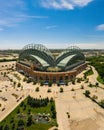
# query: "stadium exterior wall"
50, 76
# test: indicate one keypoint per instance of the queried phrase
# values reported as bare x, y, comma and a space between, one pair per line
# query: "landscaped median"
94, 98
31, 114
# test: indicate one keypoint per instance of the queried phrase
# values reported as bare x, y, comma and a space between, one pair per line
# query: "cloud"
51, 26
9, 11
100, 27
64, 4
12, 13
33, 16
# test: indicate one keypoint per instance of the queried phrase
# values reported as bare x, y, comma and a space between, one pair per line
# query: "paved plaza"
84, 114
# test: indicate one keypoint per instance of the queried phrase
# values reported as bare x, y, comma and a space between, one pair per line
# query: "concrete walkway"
80, 108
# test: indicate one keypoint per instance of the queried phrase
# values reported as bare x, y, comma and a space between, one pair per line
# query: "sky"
53, 23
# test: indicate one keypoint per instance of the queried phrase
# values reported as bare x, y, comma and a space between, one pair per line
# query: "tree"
25, 79
66, 83
29, 80
20, 123
73, 81
1, 127
34, 82
53, 114
101, 103
13, 126
49, 83
37, 89
29, 110
72, 89
41, 82
14, 83
52, 107
6, 127
29, 121
85, 77
61, 90
87, 93
18, 110
49, 90
51, 100
12, 120
58, 84
90, 85
96, 85
82, 87
19, 85
22, 104
78, 80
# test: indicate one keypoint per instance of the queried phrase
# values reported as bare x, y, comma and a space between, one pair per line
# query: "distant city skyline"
53, 23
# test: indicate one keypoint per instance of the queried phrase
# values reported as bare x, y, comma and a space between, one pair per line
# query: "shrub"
20, 122
101, 103
90, 85
29, 121
37, 89
53, 114
61, 90
13, 126
58, 84
34, 82
1, 127
78, 80
18, 110
14, 83
73, 82
82, 87
49, 83
6, 127
41, 83
66, 83
49, 90
22, 104
51, 100
12, 120
29, 111
87, 93
25, 79
72, 89
19, 85
29, 80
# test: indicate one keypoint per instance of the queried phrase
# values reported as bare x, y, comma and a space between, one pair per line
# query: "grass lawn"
24, 111
100, 80
89, 72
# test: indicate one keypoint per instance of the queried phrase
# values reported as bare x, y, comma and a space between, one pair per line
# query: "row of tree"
34, 102
98, 63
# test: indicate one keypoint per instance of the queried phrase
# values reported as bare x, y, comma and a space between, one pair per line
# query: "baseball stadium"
38, 63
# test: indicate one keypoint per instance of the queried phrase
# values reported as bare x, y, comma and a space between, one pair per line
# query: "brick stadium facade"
68, 72
51, 76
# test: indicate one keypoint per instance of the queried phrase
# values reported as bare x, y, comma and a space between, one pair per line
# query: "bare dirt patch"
87, 124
